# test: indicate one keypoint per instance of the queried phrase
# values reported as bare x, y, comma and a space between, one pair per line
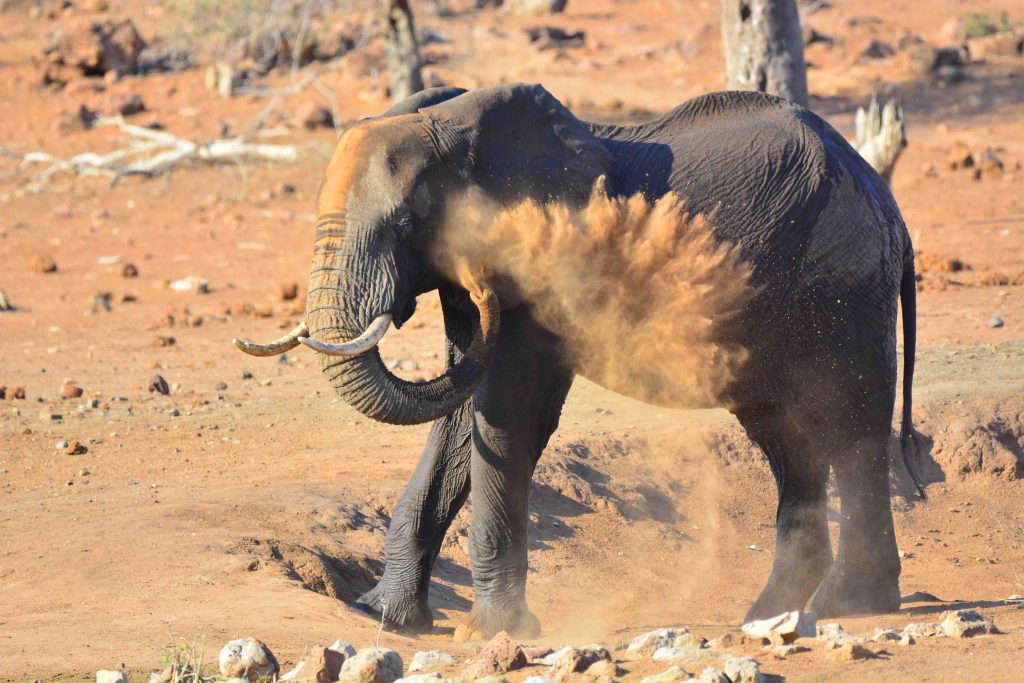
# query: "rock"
678, 636
885, 634
966, 623
835, 633
372, 665
812, 36
289, 291
311, 115
536, 652
787, 650
552, 37
124, 104
673, 673
62, 445
990, 166
920, 630
960, 156
500, 655
44, 264
95, 48
692, 655
907, 640
190, 284
220, 386
712, 675
432, 659
788, 626
995, 321
427, 678
743, 670
111, 677
248, 658
129, 270
731, 639
851, 652
539, 679
158, 384
71, 390
76, 447
5, 303
582, 660
341, 646
876, 49
320, 665
536, 7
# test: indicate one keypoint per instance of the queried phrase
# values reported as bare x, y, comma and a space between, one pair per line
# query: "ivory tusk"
276, 347
361, 344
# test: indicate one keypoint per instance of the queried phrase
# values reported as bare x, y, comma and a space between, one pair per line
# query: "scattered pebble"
158, 384
675, 637
71, 390
44, 264
5, 303
129, 270
248, 658
75, 447
62, 445
784, 628
190, 284
221, 386
163, 340
995, 321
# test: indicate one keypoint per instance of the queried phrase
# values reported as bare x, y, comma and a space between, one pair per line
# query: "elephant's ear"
518, 141
423, 99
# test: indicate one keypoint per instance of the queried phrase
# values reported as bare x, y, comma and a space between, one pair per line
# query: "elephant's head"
380, 208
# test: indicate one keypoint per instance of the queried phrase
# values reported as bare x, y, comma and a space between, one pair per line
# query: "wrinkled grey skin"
831, 257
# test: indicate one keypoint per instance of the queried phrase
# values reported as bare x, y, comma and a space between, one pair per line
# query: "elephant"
831, 259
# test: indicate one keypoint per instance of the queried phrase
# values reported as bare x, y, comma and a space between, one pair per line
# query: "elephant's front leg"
431, 500
515, 410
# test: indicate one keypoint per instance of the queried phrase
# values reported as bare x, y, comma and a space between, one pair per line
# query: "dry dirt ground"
251, 502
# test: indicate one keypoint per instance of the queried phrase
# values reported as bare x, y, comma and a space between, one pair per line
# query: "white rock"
539, 679
743, 670
432, 659
835, 633
966, 623
425, 678
344, 647
678, 636
884, 634
190, 284
690, 655
670, 675
247, 658
372, 665
111, 677
788, 625
920, 630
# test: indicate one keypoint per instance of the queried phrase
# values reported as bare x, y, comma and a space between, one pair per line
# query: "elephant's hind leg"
803, 553
865, 576
516, 409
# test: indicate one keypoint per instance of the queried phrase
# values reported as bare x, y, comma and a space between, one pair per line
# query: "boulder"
551, 658
920, 630
499, 656
712, 675
536, 652
432, 659
320, 665
95, 48
248, 658
372, 665
966, 623
835, 633
677, 636
851, 652
785, 627
743, 670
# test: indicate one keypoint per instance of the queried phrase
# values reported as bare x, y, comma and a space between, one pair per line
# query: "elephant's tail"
908, 299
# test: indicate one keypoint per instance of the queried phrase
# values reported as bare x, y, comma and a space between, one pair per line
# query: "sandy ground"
210, 511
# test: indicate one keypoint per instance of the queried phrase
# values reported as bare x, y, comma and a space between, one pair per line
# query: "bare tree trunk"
764, 48
881, 135
403, 53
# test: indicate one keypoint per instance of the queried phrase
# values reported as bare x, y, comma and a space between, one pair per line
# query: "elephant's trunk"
341, 306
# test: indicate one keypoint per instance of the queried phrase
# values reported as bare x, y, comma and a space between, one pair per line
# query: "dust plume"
638, 291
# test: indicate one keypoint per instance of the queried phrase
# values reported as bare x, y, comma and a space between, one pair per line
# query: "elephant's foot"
789, 589
844, 594
485, 620
401, 612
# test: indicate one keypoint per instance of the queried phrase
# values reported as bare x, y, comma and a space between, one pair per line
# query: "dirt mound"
983, 437
340, 575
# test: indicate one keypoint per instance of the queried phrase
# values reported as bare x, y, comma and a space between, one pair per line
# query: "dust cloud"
638, 291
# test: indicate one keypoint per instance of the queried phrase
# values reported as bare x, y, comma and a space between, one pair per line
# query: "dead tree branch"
881, 135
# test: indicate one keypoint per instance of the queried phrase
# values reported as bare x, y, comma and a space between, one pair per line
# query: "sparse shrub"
184, 663
272, 33
978, 24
